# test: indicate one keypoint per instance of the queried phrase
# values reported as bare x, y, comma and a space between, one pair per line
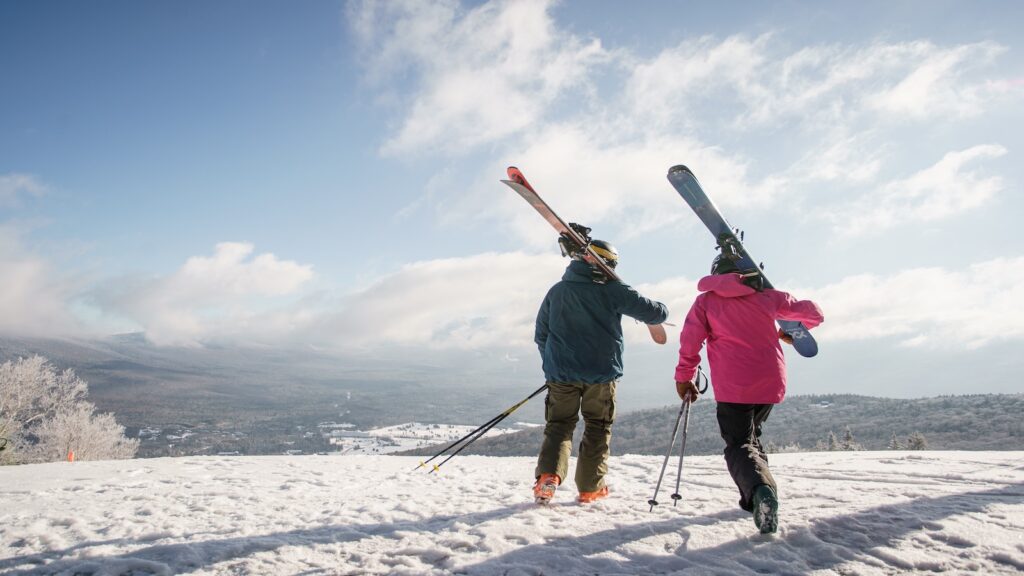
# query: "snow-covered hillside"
842, 513
345, 439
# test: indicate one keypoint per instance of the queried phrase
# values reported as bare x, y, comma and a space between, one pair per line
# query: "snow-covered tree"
44, 414
833, 444
894, 443
916, 441
848, 442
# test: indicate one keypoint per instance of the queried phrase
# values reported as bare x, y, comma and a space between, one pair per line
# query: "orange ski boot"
587, 497
544, 489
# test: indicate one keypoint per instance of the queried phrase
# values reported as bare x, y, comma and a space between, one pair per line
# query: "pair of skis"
728, 239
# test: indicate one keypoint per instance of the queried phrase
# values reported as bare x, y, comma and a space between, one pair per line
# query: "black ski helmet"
606, 251
723, 265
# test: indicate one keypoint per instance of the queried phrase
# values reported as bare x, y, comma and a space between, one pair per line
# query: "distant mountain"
202, 400
970, 422
267, 400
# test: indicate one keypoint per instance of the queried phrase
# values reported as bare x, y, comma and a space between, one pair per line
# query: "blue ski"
686, 184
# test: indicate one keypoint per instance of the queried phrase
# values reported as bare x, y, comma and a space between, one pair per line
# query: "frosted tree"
894, 443
90, 436
848, 442
44, 414
833, 444
916, 441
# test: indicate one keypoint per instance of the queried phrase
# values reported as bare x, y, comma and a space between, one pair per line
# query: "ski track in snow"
841, 513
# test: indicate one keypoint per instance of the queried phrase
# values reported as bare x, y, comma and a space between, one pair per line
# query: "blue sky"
326, 174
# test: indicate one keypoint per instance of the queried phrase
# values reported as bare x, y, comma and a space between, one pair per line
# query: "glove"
785, 337
687, 391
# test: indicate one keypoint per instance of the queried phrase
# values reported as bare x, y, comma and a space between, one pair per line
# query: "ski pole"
479, 431
495, 421
490, 422
676, 496
675, 429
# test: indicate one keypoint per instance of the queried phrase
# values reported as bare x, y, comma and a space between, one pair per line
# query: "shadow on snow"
823, 543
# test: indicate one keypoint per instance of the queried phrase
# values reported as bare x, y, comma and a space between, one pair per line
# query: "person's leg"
743, 454
561, 412
761, 412
598, 409
765, 499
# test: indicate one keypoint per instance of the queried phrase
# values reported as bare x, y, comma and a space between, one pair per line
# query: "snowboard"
731, 245
574, 233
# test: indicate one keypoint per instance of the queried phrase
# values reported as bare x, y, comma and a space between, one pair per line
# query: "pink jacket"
744, 352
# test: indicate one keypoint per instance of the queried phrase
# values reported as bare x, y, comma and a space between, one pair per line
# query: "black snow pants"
740, 425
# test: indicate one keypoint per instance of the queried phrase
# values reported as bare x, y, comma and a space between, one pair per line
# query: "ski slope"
841, 513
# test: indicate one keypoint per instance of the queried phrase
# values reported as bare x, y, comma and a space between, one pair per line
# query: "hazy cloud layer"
13, 185
484, 301
227, 295
35, 299
949, 187
931, 307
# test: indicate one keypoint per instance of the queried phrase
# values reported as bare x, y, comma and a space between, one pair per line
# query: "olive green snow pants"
562, 407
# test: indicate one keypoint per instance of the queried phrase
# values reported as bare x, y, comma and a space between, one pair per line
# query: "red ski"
518, 183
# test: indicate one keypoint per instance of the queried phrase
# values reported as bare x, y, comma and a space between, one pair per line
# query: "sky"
890, 512
326, 174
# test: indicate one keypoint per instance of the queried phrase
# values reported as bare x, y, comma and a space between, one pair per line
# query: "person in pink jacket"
736, 317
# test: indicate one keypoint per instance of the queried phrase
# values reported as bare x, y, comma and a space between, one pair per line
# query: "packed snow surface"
841, 513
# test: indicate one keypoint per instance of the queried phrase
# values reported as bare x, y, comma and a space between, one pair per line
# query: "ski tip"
679, 168
516, 175
809, 352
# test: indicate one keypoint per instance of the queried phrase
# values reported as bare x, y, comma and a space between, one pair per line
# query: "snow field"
841, 513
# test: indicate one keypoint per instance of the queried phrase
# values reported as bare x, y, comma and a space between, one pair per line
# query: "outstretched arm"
803, 311
632, 304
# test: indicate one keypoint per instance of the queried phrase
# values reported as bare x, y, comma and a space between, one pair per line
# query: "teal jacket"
579, 326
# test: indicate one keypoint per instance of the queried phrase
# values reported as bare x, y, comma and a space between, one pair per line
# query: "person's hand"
785, 337
687, 391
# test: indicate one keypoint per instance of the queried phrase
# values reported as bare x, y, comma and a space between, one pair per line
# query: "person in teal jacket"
579, 334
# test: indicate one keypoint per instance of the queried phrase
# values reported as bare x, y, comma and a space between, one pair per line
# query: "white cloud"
937, 84
620, 185
34, 297
480, 75
927, 307
942, 190
14, 185
475, 302
752, 82
605, 124
224, 296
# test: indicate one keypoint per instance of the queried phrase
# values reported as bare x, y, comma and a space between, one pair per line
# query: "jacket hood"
725, 285
578, 271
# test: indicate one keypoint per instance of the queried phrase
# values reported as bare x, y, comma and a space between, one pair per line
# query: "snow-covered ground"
842, 513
